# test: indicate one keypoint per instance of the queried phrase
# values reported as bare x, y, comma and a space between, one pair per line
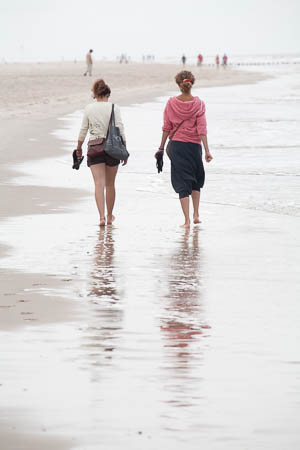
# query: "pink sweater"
193, 114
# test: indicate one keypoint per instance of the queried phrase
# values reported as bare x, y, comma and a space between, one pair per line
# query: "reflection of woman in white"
104, 168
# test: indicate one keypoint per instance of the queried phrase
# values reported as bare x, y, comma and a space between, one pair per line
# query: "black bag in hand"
114, 145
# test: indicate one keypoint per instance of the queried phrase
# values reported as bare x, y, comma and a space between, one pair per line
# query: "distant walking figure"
199, 59
183, 59
89, 63
217, 60
225, 60
103, 167
185, 124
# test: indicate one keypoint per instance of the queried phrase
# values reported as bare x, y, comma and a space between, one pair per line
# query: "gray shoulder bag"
114, 145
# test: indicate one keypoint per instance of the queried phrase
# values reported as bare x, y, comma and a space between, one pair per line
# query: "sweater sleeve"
201, 122
167, 126
84, 127
119, 123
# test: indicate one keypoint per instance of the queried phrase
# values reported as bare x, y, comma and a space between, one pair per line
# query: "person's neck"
102, 99
185, 96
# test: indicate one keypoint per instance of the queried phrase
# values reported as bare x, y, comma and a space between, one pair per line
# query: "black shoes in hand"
76, 161
159, 161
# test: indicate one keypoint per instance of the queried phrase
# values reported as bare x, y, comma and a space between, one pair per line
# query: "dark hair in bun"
101, 89
185, 80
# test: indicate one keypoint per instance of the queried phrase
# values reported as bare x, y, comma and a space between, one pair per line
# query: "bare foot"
102, 223
186, 225
196, 219
110, 219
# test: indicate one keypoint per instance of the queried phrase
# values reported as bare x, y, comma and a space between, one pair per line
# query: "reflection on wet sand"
103, 272
182, 322
105, 310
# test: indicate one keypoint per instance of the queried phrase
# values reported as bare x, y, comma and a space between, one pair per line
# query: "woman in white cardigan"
103, 167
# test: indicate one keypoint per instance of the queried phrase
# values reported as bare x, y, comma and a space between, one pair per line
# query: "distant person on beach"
123, 59
183, 60
185, 124
199, 59
225, 60
217, 61
104, 168
89, 63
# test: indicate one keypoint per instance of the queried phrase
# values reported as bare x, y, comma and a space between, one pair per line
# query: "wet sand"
21, 300
12, 440
164, 338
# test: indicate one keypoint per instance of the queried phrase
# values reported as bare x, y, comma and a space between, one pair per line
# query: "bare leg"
98, 172
185, 205
196, 201
110, 176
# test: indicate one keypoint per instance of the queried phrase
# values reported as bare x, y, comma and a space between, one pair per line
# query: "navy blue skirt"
187, 171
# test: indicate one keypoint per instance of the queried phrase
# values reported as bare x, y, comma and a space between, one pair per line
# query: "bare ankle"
110, 219
186, 225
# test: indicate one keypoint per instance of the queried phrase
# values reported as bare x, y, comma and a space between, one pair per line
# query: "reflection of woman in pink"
183, 320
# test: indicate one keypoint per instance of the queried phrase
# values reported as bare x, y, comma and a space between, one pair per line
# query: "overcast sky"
52, 29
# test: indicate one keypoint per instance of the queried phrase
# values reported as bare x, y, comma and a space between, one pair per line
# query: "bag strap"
177, 128
112, 119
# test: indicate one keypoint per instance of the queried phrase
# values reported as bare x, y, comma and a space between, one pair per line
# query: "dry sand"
32, 96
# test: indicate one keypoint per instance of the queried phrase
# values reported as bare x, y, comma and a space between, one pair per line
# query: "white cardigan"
96, 120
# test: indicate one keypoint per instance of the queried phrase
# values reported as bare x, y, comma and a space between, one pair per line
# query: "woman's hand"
125, 162
208, 156
160, 150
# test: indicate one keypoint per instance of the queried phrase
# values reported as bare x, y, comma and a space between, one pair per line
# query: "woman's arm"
202, 130
164, 137
82, 134
208, 156
119, 122
79, 148
120, 125
167, 126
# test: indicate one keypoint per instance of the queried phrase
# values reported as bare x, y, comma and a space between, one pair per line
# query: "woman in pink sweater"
185, 124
